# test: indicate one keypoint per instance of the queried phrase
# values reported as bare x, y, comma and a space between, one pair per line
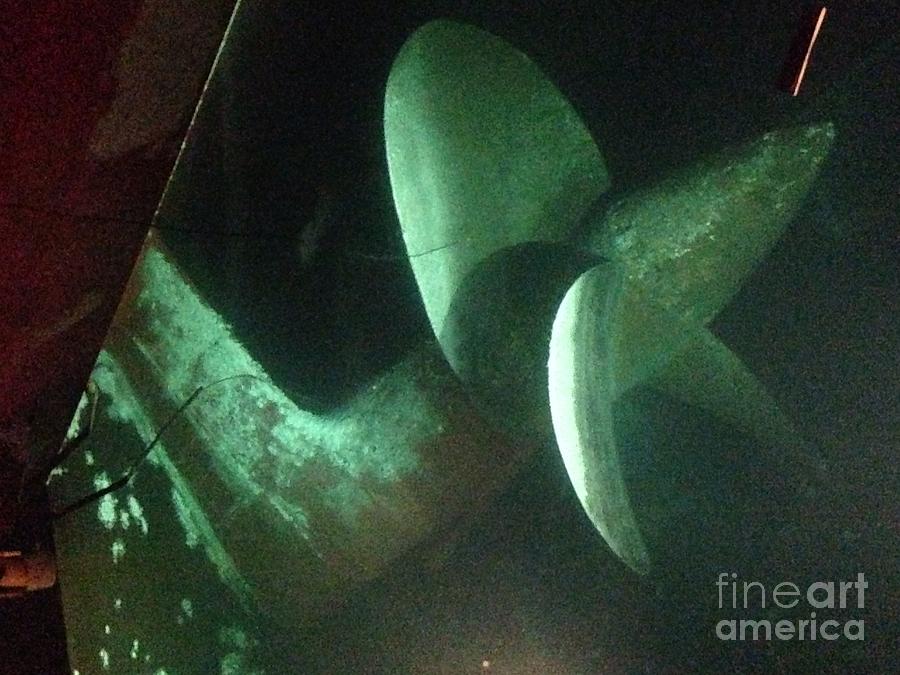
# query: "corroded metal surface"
291, 509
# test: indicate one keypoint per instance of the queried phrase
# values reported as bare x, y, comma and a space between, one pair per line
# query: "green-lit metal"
609, 338
695, 236
347, 491
682, 249
581, 404
498, 329
486, 155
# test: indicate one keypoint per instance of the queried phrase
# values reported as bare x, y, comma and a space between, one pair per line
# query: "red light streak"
795, 88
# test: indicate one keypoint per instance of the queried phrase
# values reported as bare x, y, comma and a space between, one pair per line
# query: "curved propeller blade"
693, 238
484, 152
585, 379
611, 337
